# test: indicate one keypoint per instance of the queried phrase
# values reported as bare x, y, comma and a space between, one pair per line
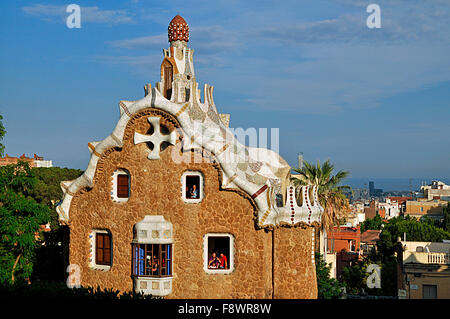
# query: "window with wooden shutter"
103, 249
123, 186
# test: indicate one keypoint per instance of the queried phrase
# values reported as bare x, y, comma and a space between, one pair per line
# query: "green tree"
2, 134
446, 225
328, 288
20, 220
330, 191
375, 223
355, 277
47, 189
414, 229
48, 186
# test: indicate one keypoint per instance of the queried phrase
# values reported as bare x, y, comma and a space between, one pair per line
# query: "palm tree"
330, 194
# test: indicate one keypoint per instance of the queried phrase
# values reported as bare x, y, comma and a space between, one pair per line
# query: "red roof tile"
370, 236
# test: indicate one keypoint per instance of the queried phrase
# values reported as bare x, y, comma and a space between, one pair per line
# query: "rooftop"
370, 236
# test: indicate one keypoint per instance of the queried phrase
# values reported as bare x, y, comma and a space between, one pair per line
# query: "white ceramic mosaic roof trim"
312, 245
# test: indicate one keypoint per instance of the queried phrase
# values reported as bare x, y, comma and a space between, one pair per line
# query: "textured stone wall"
156, 190
294, 272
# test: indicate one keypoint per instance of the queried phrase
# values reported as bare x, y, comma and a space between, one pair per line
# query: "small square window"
192, 187
218, 253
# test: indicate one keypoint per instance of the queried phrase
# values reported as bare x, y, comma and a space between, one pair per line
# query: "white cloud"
339, 63
57, 13
343, 76
399, 23
148, 42
211, 39
212, 43
322, 66
142, 60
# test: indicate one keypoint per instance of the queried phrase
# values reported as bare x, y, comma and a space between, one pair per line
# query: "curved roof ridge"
257, 175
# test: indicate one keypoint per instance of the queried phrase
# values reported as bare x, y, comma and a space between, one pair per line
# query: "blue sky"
373, 101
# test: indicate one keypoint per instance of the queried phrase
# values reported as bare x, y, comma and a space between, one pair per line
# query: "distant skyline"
373, 101
391, 184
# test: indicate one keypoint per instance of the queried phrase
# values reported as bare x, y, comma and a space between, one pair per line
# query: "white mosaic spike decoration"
156, 138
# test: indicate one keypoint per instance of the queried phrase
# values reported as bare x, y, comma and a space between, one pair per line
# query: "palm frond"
330, 192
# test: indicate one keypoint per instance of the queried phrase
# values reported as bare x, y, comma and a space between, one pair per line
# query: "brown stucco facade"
267, 262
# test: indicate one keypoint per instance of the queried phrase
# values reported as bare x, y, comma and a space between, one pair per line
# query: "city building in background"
344, 243
371, 210
35, 161
431, 208
424, 271
401, 202
436, 190
40, 162
374, 191
390, 208
369, 240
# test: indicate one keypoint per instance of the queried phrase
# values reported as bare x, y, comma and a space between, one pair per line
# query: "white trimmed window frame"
92, 250
183, 187
114, 197
206, 257
153, 229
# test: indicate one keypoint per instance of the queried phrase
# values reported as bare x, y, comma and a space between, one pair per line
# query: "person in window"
194, 191
223, 261
148, 265
214, 262
155, 266
188, 193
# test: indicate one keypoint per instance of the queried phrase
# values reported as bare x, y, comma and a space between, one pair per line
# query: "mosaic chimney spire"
178, 29
177, 68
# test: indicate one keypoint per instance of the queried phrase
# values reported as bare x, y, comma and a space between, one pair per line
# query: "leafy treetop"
2, 134
330, 190
20, 220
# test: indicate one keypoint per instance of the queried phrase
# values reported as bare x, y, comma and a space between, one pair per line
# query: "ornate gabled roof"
178, 29
261, 173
